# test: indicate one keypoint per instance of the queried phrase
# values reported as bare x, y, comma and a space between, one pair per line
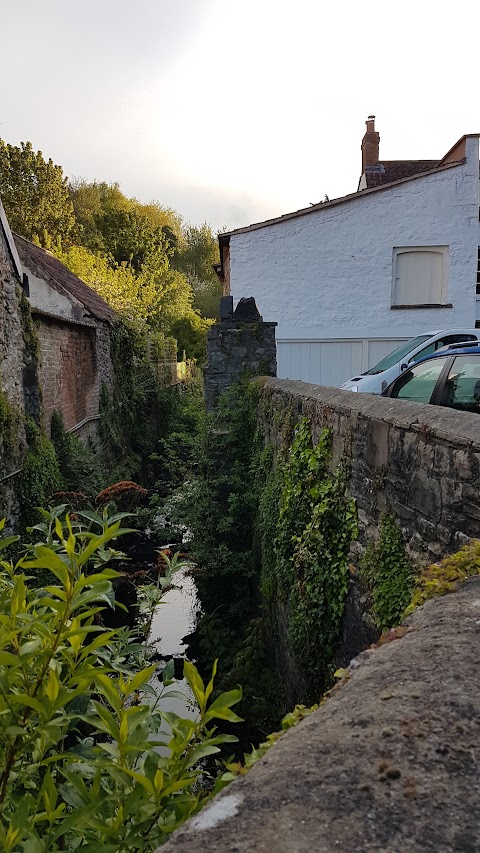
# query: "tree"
196, 254
157, 295
35, 195
122, 228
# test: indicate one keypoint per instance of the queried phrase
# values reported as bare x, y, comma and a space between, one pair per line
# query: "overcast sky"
232, 112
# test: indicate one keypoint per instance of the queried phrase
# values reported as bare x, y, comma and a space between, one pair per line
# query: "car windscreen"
397, 355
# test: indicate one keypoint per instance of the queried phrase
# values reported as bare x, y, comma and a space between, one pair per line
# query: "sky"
234, 112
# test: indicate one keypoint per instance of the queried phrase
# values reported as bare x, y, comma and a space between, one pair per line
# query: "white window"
420, 276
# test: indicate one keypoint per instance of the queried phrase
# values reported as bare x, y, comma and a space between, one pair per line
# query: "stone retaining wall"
420, 462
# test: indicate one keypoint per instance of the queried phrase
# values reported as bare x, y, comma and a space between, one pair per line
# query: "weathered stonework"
11, 334
420, 462
234, 349
388, 763
15, 375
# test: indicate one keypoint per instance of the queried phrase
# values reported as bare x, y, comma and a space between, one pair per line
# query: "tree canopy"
35, 195
196, 254
150, 267
123, 228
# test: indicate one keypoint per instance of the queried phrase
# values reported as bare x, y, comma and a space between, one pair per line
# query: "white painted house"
347, 280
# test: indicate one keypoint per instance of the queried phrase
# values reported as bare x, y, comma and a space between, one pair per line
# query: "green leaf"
195, 682
8, 540
220, 709
140, 678
109, 690
201, 752
208, 691
48, 559
19, 817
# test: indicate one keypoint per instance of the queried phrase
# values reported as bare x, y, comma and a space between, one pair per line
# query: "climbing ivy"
81, 465
40, 476
316, 525
9, 428
135, 411
29, 330
389, 574
269, 523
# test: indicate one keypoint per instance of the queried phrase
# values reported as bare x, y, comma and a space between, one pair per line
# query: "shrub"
60, 789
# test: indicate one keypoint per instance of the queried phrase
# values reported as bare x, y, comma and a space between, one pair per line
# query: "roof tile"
46, 266
390, 171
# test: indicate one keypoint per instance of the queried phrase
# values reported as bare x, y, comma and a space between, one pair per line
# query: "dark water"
174, 620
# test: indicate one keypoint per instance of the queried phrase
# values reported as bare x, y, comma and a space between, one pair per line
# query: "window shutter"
418, 277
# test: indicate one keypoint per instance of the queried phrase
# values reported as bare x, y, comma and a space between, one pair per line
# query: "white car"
375, 380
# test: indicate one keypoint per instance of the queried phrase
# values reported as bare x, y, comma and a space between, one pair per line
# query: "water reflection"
175, 618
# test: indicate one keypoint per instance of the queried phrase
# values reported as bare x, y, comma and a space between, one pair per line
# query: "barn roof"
46, 266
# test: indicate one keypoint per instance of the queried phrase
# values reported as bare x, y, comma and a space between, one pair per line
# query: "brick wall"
68, 370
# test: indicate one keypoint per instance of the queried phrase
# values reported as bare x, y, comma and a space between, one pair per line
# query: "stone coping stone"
390, 762
446, 424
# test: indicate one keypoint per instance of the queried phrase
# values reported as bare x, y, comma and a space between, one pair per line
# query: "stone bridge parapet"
420, 462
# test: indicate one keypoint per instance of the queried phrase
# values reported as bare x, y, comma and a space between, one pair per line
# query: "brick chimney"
370, 145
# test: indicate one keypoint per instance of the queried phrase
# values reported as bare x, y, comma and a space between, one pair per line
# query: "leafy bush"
85, 759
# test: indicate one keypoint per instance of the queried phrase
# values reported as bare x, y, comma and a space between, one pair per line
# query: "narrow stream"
174, 619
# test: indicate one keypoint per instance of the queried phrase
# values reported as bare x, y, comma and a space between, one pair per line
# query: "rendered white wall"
331, 270
45, 298
329, 362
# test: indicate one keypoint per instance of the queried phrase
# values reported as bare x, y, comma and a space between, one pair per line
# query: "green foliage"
190, 332
130, 413
136, 257
220, 508
197, 252
388, 573
87, 761
316, 524
239, 768
279, 524
441, 578
40, 476
29, 330
35, 194
81, 466
223, 499
120, 228
9, 426
269, 482
154, 273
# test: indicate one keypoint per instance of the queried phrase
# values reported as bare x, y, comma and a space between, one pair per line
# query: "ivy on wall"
270, 524
389, 574
315, 527
9, 428
135, 412
444, 577
40, 476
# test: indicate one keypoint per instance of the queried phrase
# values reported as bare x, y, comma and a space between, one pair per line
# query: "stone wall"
420, 462
241, 343
11, 333
14, 370
388, 763
68, 370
